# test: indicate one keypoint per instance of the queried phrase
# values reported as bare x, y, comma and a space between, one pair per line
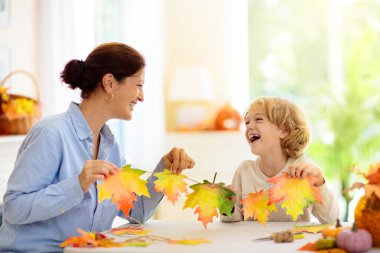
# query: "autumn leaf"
373, 177
83, 240
372, 189
189, 241
135, 243
256, 206
90, 240
130, 231
170, 184
121, 188
373, 174
333, 250
310, 246
310, 228
209, 197
295, 193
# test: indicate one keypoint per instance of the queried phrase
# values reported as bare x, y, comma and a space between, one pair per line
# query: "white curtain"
144, 134
68, 32
63, 36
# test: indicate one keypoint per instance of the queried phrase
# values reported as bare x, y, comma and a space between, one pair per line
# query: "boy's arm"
328, 210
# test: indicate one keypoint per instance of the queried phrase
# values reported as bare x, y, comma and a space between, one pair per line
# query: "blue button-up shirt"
44, 203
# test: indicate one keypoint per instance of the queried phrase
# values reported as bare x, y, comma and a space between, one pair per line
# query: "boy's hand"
301, 170
233, 198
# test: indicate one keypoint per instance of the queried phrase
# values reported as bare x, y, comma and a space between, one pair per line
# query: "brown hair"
287, 116
118, 59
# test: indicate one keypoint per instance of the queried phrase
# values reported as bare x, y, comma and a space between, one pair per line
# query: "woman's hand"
93, 171
301, 170
177, 160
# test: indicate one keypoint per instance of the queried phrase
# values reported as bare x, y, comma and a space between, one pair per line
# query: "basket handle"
28, 74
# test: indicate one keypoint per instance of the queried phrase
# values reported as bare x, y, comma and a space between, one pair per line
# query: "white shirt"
249, 177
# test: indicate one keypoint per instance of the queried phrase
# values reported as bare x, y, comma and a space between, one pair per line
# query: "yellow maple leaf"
121, 188
189, 241
170, 184
256, 206
314, 228
208, 198
295, 193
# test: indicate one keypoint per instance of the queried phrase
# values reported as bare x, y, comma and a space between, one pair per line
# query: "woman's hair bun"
72, 73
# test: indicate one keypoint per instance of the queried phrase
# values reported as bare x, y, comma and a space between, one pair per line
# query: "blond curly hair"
288, 117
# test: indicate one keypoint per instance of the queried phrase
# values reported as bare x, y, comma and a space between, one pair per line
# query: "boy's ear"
107, 82
284, 133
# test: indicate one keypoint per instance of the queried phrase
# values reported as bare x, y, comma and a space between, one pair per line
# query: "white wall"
219, 152
19, 37
194, 32
213, 34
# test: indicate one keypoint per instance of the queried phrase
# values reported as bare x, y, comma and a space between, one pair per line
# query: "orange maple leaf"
121, 188
90, 240
295, 193
256, 205
209, 197
372, 189
170, 184
373, 174
310, 246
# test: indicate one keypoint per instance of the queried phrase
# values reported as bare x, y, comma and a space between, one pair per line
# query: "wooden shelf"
11, 138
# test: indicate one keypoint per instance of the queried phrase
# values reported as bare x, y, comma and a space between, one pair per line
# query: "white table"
238, 237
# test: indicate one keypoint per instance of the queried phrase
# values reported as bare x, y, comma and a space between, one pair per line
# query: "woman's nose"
141, 96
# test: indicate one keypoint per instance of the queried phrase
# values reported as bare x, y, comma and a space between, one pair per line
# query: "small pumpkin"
325, 243
355, 240
333, 231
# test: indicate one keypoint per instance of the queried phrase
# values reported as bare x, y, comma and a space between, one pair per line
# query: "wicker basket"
21, 124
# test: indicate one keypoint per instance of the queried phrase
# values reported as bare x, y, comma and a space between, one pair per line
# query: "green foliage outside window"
345, 120
353, 115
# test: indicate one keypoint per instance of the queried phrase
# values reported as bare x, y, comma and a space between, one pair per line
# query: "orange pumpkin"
367, 216
333, 231
228, 118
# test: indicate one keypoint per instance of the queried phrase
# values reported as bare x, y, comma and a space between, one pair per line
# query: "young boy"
277, 133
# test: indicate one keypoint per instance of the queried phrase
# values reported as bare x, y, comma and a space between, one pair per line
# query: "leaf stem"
213, 181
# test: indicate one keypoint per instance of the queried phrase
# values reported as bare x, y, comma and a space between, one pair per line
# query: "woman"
52, 190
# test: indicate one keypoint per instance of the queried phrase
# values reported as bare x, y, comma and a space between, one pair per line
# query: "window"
288, 47
323, 54
109, 27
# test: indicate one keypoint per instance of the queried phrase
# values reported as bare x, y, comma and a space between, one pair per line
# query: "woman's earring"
109, 97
